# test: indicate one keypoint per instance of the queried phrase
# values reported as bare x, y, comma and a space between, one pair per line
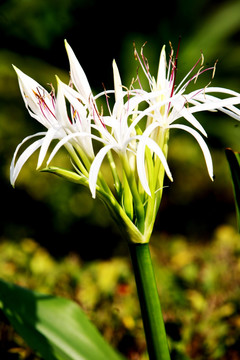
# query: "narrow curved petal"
46, 141
217, 89
95, 167
141, 167
27, 85
68, 91
81, 118
77, 74
209, 104
201, 143
67, 139
117, 82
186, 113
37, 99
147, 112
231, 111
15, 168
161, 76
61, 110
145, 141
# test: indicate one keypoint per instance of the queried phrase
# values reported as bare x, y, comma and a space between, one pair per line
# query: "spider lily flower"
115, 131
168, 103
119, 135
139, 138
52, 113
72, 118
41, 106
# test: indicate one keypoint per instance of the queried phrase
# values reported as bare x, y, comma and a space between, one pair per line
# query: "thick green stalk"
149, 301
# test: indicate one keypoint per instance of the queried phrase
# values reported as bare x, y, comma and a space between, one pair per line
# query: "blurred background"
59, 216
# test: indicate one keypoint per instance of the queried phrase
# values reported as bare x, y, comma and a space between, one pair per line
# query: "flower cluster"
132, 137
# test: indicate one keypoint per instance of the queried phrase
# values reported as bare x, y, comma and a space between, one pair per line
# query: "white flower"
41, 106
63, 121
169, 103
136, 129
119, 134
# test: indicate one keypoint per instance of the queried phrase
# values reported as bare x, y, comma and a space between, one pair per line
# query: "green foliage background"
63, 219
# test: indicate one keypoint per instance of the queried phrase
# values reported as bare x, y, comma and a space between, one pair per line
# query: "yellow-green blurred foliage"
198, 284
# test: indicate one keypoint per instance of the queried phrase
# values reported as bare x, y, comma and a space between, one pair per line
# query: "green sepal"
127, 199
67, 175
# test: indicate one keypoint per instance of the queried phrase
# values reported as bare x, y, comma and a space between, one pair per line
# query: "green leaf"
54, 327
234, 164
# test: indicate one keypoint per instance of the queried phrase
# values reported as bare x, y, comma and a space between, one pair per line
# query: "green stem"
149, 301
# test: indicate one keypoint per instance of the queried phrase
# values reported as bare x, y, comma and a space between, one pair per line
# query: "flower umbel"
132, 138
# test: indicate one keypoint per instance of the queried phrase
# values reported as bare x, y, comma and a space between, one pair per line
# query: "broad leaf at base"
54, 327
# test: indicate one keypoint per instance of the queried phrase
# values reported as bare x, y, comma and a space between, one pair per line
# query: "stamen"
131, 87
144, 64
128, 97
198, 73
107, 97
96, 112
138, 79
174, 70
214, 68
202, 57
42, 103
135, 51
70, 84
145, 61
74, 114
52, 93
205, 87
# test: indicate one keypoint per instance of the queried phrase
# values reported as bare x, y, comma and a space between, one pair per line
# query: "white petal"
161, 77
68, 91
117, 82
138, 118
16, 168
141, 167
73, 98
221, 90
95, 167
201, 143
184, 112
50, 135
67, 139
61, 110
29, 88
77, 74
231, 111
154, 106
217, 104
145, 141
79, 123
